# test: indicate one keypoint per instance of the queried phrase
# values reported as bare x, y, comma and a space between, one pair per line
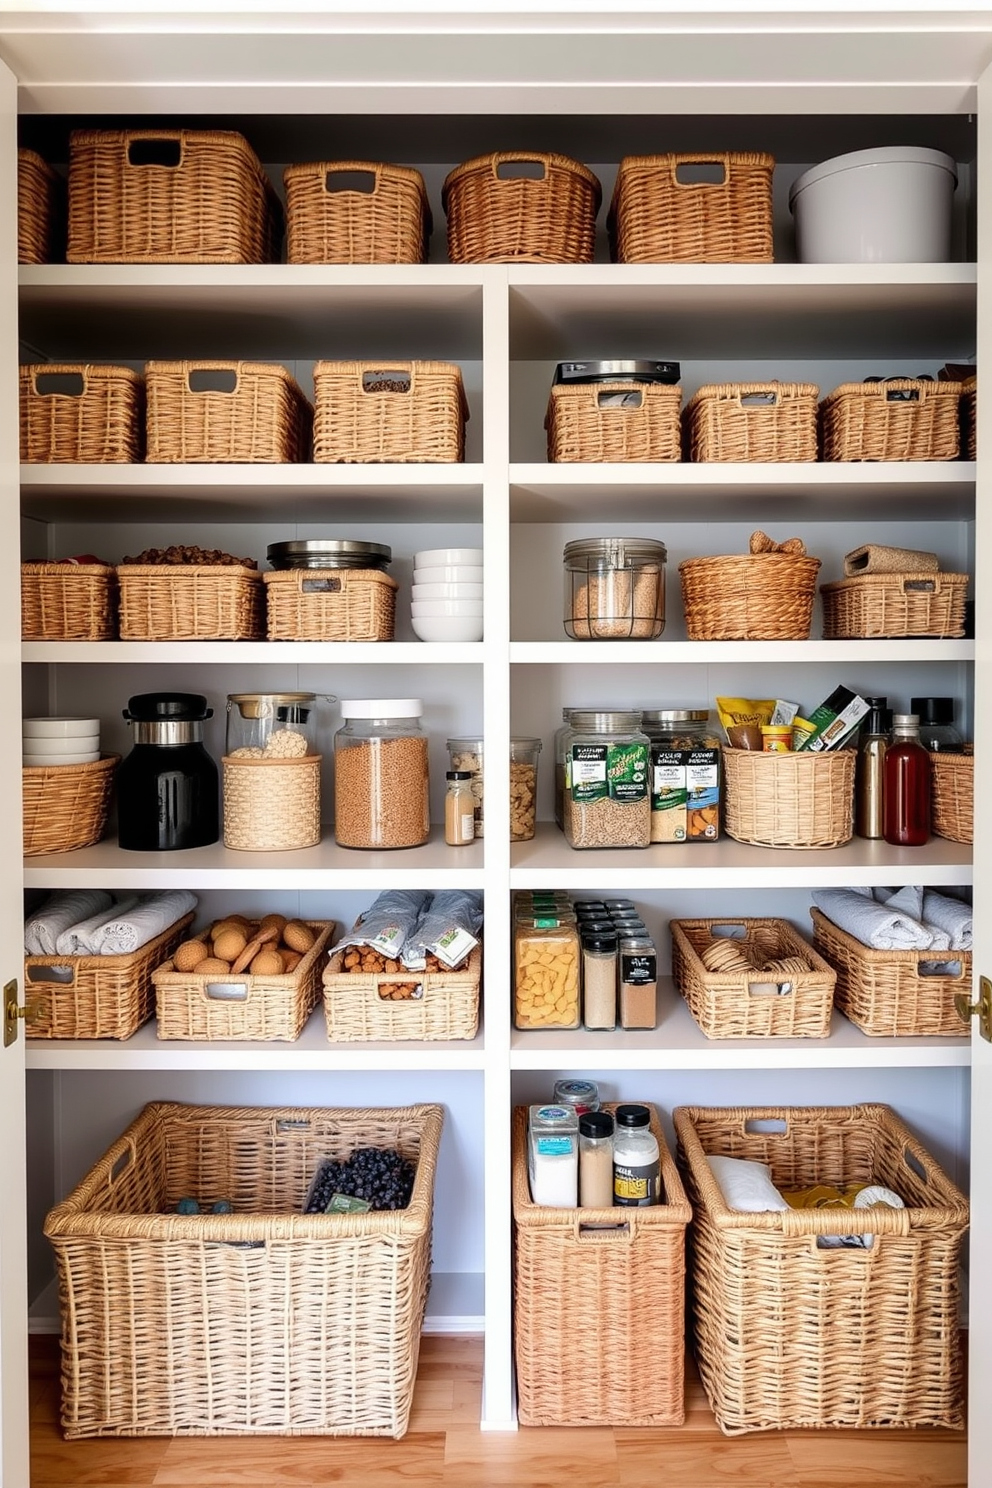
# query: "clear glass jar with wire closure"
607, 801
615, 589
271, 725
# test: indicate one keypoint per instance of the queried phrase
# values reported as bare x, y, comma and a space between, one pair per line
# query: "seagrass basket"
169, 196
662, 212
749, 596
800, 800
388, 412
521, 208
894, 604
902, 419
621, 421
356, 211
39, 194
65, 806
345, 604
790, 1000
952, 795
190, 602
969, 415
266, 1321
752, 422
271, 805
68, 602
442, 1005
223, 412
80, 413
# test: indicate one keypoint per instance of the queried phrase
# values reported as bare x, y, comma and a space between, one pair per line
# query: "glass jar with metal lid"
324, 552
615, 589
606, 781
381, 778
271, 725
685, 775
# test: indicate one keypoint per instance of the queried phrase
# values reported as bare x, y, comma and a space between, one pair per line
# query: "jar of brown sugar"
381, 781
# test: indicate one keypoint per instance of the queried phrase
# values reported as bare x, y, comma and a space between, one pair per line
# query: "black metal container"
167, 787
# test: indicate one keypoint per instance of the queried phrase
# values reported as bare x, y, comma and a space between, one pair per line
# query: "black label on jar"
639, 968
636, 1184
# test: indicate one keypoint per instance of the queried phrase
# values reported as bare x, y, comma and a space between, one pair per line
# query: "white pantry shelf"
260, 653
694, 653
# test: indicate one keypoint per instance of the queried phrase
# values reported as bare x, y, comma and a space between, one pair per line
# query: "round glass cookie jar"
615, 589
607, 801
271, 725
271, 772
381, 777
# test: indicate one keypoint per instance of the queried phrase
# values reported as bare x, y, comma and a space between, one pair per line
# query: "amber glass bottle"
906, 797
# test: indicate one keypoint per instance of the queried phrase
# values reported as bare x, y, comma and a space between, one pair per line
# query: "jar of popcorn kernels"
523, 788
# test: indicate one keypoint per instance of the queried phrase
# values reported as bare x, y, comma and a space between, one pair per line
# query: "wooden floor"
445, 1446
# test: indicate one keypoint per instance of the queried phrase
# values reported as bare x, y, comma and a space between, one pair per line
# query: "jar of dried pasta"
607, 801
615, 589
523, 788
545, 971
381, 781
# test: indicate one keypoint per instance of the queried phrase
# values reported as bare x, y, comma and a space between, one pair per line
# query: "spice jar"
381, 780
606, 796
685, 775
636, 1159
599, 978
523, 788
167, 785
552, 1158
615, 588
459, 809
596, 1160
546, 972
638, 981
582, 1094
466, 754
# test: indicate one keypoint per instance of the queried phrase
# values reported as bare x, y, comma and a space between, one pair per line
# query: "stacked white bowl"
60, 741
447, 594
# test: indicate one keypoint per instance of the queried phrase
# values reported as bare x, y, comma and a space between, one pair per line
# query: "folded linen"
77, 940
876, 925
746, 1185
131, 928
58, 913
952, 916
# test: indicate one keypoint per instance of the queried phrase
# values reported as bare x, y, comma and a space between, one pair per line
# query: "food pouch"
447, 928
733, 711
387, 924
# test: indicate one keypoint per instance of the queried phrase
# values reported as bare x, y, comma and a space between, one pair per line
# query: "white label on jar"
589, 769
636, 1183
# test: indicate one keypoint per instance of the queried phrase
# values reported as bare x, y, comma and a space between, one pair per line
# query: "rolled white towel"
746, 1185
950, 915
58, 913
875, 925
130, 929
78, 939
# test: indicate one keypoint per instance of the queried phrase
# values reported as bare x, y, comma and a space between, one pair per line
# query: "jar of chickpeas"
523, 788
546, 971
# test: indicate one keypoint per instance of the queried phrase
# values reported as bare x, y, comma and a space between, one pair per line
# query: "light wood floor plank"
303, 1462
533, 1457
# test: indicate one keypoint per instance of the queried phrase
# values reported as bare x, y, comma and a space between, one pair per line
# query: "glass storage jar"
271, 725
523, 788
615, 589
685, 775
607, 803
381, 779
545, 972
466, 754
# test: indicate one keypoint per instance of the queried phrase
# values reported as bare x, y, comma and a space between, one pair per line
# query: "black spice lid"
458, 775
599, 940
633, 1116
934, 710
153, 707
595, 1124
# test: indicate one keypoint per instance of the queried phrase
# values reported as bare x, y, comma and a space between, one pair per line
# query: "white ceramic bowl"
431, 608
52, 761
59, 728
448, 573
442, 557
448, 628
55, 748
446, 591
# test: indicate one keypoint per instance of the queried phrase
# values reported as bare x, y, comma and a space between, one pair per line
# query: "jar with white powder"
553, 1156
636, 1159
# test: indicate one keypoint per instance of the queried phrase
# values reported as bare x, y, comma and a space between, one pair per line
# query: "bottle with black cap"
937, 731
873, 743
167, 787
636, 1159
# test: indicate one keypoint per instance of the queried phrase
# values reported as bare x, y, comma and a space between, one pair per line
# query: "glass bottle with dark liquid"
906, 803
167, 787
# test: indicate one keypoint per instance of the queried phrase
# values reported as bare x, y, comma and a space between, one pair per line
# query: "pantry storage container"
467, 754
903, 418
68, 602
749, 596
953, 795
887, 205
224, 412
685, 775
752, 421
356, 212
546, 954
80, 413
615, 421
693, 209
783, 989
65, 806
190, 602
271, 772
39, 194
894, 604
521, 208
800, 800
524, 757
381, 779
607, 801
395, 412
615, 588
167, 785
360, 1006
347, 604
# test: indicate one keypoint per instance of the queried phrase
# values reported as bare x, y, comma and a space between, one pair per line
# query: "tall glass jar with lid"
607, 801
685, 775
615, 589
381, 780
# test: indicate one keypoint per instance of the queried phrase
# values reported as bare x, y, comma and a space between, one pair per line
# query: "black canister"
167, 787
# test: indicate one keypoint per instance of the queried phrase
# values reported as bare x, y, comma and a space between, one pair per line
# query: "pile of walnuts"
367, 959
187, 555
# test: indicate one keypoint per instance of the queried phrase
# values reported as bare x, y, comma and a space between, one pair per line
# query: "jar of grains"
523, 788
381, 781
466, 754
615, 589
546, 971
607, 803
685, 775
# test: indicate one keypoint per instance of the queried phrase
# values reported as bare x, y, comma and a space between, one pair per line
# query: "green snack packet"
340, 1203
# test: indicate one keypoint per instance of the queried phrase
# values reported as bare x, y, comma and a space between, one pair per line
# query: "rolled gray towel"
59, 913
950, 915
875, 925
77, 940
128, 930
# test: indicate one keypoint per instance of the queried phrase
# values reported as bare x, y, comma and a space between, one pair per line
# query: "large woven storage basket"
39, 191
388, 412
903, 419
969, 418
533, 208
95, 997
259, 417
356, 211
624, 421
78, 413
802, 800
894, 994
65, 806
793, 1001
599, 1304
355, 604
789, 1334
664, 212
443, 1004
271, 805
894, 604
241, 1006
190, 602
267, 1321
68, 602
752, 422
749, 596
952, 796
169, 196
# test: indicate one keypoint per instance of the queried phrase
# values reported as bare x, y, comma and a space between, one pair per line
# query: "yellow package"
744, 710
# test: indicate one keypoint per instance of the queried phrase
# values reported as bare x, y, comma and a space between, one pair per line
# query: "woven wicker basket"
802, 800
373, 214
190, 602
355, 604
271, 805
265, 1008
953, 795
68, 602
39, 194
789, 1334
169, 196
725, 1004
894, 994
586, 422
96, 997
752, 422
903, 419
262, 417
659, 214
496, 214
65, 806
446, 1008
586, 1352
749, 596
97, 423
894, 604
388, 412
969, 418
267, 1321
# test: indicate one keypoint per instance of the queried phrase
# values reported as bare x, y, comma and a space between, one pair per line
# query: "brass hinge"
983, 1007
11, 1013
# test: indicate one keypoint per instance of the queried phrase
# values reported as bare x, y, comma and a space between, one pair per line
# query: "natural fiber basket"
969, 418
789, 1334
261, 416
445, 1004
953, 795
65, 806
753, 1003
98, 422
660, 214
801, 800
894, 994
68, 602
356, 211
902, 419
622, 421
169, 196
497, 213
582, 1280
894, 604
392, 412
241, 1006
95, 997
264, 1322
345, 604
749, 596
271, 805
39, 192
752, 422
190, 602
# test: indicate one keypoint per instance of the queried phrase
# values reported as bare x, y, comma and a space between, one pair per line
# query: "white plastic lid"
381, 708
886, 155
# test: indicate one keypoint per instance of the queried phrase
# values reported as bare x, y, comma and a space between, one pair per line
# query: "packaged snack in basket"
835, 720
387, 924
446, 929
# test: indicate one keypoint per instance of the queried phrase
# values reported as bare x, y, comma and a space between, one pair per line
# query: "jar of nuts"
466, 754
523, 788
381, 780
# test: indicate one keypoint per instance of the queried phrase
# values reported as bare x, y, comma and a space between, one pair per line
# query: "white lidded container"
890, 205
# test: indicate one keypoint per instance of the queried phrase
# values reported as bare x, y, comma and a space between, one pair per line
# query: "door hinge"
11, 1013
983, 1007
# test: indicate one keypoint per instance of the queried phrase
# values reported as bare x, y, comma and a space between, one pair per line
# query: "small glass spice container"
685, 775
381, 779
599, 978
615, 589
582, 1094
596, 1160
459, 809
546, 972
523, 788
607, 801
638, 981
466, 754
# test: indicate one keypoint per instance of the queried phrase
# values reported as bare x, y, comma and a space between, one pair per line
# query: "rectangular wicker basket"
749, 596
447, 1006
785, 1002
894, 604
355, 604
969, 418
258, 415
952, 796
752, 422
803, 800
190, 602
356, 211
265, 1008
661, 214
96, 997
894, 994
790, 1334
65, 806
80, 414
392, 412
68, 602
622, 421
902, 419
511, 208
599, 1304
39, 200
266, 1321
169, 196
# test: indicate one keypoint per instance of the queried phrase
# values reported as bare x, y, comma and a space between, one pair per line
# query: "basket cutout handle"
621, 1232
902, 395
520, 168
767, 1126
62, 976
161, 152
321, 586
920, 586
951, 967
387, 380
212, 380
695, 173
770, 989
123, 1163
225, 991
629, 401
912, 1162
289, 1126
731, 930
767, 399
59, 384
361, 182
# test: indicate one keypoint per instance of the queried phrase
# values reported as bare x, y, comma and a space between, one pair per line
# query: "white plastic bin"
891, 205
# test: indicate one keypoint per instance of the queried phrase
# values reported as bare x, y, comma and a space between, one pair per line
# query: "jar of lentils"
607, 801
381, 781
